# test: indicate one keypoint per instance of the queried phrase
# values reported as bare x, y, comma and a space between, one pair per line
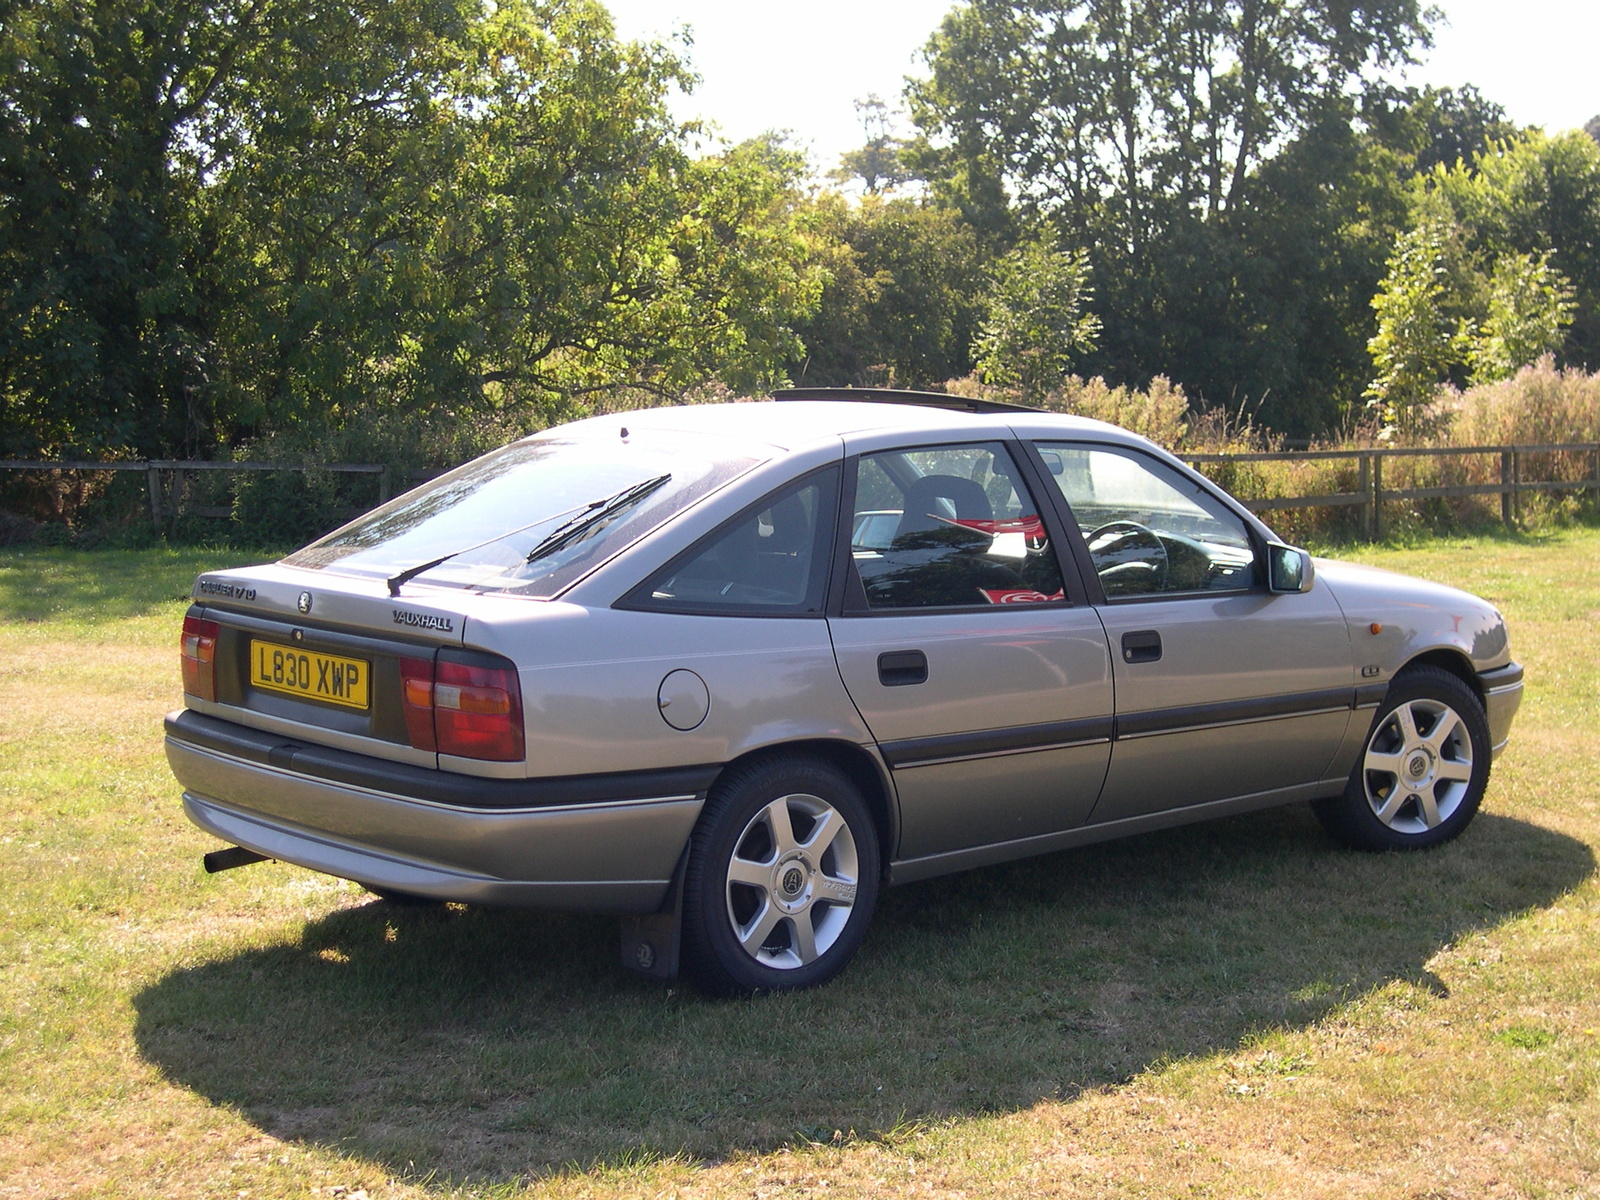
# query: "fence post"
383, 484
154, 477
1377, 495
1364, 486
1516, 485
1594, 475
1506, 515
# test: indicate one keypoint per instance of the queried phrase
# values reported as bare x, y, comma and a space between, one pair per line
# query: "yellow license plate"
309, 675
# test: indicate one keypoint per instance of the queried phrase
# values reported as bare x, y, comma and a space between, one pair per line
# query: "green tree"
880, 162
1417, 340
222, 219
1035, 325
1529, 308
1231, 167
1535, 195
901, 302
1118, 115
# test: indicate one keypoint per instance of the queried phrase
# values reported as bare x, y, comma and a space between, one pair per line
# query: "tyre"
1422, 771
402, 899
782, 878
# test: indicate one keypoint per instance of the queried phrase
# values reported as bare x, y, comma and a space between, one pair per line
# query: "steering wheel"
1129, 557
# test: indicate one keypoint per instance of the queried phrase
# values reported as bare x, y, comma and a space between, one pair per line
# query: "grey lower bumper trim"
418, 878
587, 857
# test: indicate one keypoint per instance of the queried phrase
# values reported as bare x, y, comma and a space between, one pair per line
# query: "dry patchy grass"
1233, 1009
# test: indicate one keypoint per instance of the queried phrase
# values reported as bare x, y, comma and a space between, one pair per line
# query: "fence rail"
1371, 494
167, 494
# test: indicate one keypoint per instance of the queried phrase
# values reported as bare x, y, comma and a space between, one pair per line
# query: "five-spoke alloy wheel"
782, 877
1423, 770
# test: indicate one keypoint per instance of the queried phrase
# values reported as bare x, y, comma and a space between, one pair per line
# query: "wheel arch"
1451, 660
859, 765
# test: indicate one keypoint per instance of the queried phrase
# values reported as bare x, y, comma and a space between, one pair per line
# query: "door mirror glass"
1289, 568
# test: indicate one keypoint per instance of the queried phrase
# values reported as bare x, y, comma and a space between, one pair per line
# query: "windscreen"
534, 517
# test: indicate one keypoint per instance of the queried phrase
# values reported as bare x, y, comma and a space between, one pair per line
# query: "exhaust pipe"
233, 856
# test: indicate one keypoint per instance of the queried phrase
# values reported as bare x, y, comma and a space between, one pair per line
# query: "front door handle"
1141, 647
901, 668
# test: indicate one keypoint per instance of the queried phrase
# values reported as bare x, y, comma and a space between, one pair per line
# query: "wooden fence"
167, 493
165, 479
1370, 494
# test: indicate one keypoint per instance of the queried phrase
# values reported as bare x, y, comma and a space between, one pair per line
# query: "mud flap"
651, 943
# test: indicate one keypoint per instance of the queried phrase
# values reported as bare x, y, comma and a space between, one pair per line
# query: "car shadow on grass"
463, 1044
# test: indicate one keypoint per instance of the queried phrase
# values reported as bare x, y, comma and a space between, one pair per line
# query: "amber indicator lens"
198, 646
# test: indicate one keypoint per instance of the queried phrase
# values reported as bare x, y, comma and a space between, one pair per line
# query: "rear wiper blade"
395, 582
587, 516
600, 510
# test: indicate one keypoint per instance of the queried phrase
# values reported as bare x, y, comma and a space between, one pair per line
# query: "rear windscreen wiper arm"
395, 582
600, 510
588, 514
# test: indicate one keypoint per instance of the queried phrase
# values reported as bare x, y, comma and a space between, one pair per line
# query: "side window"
767, 562
1149, 529
949, 527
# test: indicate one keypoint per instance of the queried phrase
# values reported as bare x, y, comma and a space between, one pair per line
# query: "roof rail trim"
899, 396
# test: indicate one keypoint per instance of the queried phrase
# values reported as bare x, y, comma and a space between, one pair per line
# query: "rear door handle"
901, 668
1141, 647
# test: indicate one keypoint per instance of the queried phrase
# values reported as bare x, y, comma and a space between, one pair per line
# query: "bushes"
1540, 405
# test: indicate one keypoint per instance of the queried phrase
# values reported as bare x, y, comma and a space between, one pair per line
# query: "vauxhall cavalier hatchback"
727, 670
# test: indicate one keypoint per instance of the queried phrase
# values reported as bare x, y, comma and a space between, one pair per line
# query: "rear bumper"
1502, 696
603, 843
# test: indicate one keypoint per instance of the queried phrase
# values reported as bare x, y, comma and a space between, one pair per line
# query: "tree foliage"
901, 301
1035, 323
1417, 340
881, 162
225, 217
1229, 167
1120, 116
1528, 310
1535, 195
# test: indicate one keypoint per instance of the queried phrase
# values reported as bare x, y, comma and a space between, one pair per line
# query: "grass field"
1234, 1009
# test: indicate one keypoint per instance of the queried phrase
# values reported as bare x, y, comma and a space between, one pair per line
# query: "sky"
801, 66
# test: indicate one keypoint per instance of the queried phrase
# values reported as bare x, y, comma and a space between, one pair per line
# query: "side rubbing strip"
913, 752
1370, 695
1231, 712
910, 752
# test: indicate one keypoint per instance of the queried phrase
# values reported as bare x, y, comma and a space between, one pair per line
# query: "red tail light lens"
477, 711
416, 701
460, 708
199, 649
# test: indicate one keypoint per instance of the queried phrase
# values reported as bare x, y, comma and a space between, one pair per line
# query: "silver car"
729, 670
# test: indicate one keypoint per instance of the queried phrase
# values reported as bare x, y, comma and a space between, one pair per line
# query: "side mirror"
1289, 568
1053, 462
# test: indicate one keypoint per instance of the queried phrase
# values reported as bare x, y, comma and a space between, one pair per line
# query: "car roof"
800, 422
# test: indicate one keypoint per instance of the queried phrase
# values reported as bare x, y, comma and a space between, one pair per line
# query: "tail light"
416, 701
467, 709
199, 648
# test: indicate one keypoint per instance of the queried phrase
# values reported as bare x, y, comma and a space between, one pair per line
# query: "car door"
1224, 689
986, 684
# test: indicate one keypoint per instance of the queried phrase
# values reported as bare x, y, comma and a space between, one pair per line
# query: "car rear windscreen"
534, 517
